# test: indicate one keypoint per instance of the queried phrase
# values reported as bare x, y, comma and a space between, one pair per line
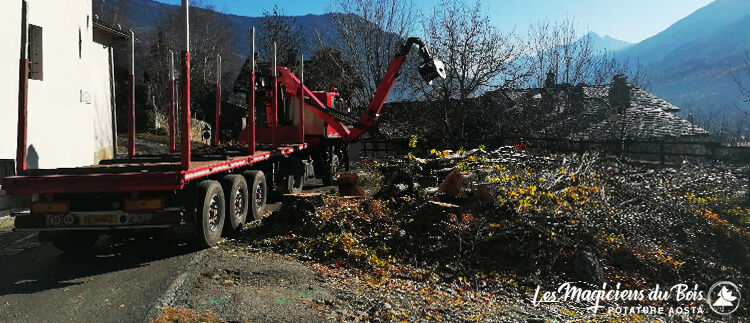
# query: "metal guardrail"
648, 150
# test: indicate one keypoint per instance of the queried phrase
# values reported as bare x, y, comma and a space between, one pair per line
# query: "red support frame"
217, 140
251, 111
301, 98
185, 115
275, 112
217, 130
170, 116
131, 115
23, 99
131, 98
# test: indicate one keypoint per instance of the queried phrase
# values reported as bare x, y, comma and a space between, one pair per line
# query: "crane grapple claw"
431, 69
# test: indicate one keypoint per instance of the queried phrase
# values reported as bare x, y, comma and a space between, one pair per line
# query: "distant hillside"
689, 62
145, 15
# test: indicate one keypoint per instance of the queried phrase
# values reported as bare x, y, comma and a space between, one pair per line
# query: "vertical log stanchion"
170, 105
131, 98
185, 98
23, 93
301, 135
217, 140
251, 95
275, 104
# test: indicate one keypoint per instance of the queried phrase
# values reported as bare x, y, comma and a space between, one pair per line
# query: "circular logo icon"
55, 220
723, 298
68, 219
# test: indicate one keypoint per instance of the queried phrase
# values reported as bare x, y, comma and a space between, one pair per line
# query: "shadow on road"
45, 268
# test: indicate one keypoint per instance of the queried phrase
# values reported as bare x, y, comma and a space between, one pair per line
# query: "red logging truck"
200, 195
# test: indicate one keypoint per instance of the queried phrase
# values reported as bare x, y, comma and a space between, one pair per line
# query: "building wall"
101, 97
69, 111
10, 24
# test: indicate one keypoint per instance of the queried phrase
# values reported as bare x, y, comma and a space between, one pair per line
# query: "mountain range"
689, 63
145, 15
606, 43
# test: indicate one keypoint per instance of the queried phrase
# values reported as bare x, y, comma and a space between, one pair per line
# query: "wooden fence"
662, 152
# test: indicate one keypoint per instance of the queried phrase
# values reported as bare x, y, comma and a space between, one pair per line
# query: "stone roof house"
591, 112
647, 118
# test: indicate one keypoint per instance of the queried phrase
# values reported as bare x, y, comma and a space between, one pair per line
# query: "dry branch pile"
551, 219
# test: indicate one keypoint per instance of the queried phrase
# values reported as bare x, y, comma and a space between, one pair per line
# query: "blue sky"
629, 20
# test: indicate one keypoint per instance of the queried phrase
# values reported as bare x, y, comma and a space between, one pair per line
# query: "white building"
70, 88
70, 103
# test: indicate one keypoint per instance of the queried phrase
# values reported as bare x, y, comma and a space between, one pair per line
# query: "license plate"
100, 219
185, 227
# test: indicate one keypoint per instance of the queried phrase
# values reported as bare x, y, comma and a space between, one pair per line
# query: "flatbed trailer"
192, 194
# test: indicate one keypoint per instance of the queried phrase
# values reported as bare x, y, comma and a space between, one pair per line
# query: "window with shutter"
36, 57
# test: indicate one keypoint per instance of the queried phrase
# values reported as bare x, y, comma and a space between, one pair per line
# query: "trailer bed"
141, 173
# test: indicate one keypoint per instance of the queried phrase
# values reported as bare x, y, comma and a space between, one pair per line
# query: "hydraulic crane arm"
429, 69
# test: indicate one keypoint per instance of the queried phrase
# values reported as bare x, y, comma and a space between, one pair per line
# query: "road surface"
121, 280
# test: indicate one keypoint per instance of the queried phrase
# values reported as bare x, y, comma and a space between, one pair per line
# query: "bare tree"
370, 33
738, 74
327, 69
557, 48
283, 30
477, 57
112, 12
209, 37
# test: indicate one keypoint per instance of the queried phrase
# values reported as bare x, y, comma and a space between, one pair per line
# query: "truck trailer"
200, 195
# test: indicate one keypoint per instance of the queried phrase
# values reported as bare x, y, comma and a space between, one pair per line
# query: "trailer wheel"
258, 193
211, 212
333, 168
70, 242
237, 198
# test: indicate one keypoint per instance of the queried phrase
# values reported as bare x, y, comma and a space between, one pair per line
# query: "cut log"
451, 186
440, 207
348, 184
483, 193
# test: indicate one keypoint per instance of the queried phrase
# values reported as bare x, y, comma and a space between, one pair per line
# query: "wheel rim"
239, 203
259, 196
214, 216
334, 165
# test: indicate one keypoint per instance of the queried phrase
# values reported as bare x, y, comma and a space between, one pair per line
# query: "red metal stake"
23, 94
251, 96
170, 105
218, 114
170, 117
185, 98
301, 135
23, 99
217, 141
185, 115
275, 104
131, 99
131, 116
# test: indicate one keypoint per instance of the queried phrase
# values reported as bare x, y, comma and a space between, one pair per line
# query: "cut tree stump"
349, 185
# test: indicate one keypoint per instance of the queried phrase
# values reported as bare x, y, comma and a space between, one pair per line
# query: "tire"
258, 190
333, 168
211, 213
237, 200
71, 242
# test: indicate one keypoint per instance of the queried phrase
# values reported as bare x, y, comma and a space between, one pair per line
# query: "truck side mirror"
431, 69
